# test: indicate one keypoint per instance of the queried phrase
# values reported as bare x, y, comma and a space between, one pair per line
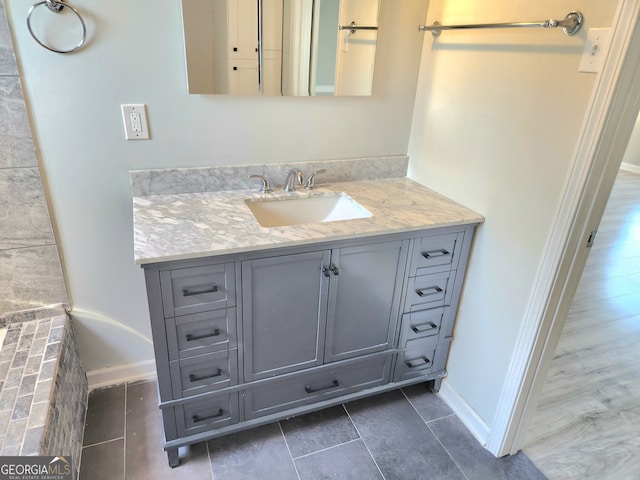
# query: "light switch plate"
596, 49
134, 118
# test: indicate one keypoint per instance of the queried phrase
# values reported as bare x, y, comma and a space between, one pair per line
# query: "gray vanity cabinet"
320, 307
245, 339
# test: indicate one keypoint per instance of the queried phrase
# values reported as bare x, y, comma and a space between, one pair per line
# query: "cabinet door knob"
334, 269
326, 272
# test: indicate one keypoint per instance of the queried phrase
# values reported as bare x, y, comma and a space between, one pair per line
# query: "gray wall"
483, 135
30, 273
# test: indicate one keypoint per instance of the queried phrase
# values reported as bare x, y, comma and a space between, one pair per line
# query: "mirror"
280, 47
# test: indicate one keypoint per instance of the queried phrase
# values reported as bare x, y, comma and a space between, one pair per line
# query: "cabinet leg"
435, 388
172, 455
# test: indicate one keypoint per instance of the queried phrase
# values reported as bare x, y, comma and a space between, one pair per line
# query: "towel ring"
56, 6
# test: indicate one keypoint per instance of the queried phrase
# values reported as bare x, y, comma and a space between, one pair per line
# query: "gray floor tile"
402, 445
318, 430
145, 457
350, 461
259, 453
105, 415
104, 461
428, 404
326, 444
476, 462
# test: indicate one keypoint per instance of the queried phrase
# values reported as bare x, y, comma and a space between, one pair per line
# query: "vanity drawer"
320, 383
205, 373
200, 333
198, 289
421, 357
424, 324
203, 415
429, 291
434, 251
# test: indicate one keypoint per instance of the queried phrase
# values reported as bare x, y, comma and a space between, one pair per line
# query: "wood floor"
588, 421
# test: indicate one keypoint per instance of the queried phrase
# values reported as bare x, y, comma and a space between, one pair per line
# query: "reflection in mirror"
280, 47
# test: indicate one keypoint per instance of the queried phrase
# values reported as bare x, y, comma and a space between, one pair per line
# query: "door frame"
607, 127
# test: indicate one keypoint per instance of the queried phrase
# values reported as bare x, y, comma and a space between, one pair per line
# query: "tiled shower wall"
30, 271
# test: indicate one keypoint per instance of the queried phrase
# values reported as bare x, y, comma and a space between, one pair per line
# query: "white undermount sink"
282, 212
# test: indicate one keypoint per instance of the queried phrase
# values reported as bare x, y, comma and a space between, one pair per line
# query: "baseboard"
478, 428
119, 374
629, 167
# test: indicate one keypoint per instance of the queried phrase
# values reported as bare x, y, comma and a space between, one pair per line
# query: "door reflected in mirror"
280, 47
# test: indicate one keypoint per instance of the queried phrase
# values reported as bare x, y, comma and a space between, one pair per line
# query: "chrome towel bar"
571, 24
353, 27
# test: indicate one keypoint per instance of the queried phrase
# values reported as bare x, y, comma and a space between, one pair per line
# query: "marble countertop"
194, 225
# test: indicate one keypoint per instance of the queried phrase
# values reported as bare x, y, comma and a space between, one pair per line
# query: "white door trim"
605, 133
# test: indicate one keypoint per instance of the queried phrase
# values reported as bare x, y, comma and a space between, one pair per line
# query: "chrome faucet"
293, 176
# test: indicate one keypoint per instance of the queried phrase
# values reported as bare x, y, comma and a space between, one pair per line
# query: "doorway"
585, 425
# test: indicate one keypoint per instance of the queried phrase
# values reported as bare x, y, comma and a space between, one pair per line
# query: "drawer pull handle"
418, 329
309, 389
418, 362
191, 337
189, 293
195, 378
435, 253
426, 292
198, 418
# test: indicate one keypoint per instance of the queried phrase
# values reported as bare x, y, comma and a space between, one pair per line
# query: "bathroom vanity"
253, 324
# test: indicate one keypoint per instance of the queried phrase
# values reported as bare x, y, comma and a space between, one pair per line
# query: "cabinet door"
243, 29
284, 309
364, 299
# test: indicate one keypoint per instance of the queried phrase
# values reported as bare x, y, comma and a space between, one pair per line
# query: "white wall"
497, 118
632, 154
135, 55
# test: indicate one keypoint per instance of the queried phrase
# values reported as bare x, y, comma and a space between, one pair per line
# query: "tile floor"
405, 434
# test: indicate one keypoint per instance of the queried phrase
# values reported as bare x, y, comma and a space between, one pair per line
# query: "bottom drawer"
315, 384
202, 415
421, 357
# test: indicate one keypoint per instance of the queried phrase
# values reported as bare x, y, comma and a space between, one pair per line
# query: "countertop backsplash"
211, 179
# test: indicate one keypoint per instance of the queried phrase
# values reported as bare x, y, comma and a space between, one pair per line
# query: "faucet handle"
266, 188
311, 181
